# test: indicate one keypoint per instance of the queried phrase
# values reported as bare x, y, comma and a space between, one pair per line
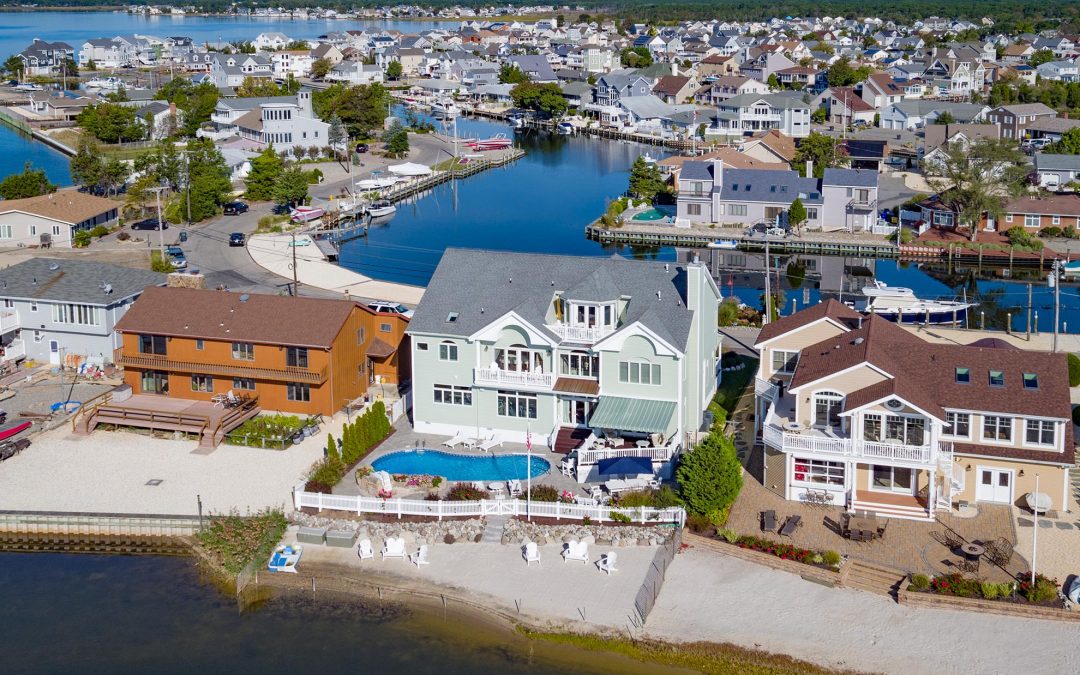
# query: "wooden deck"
147, 411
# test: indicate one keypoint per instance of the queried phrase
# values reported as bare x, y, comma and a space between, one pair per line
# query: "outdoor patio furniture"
972, 551
881, 528
420, 557
567, 468
606, 563
790, 525
597, 492
219, 400
491, 442
469, 443
577, 551
497, 488
531, 553
641, 444
514, 487
968, 566
311, 535
458, 438
862, 527
768, 521
364, 550
394, 547
1000, 552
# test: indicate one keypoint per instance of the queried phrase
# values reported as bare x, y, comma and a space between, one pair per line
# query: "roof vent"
511, 279
658, 295
106, 288
53, 267
857, 341
245, 297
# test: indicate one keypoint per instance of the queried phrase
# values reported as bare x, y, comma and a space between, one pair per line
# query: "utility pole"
160, 223
768, 291
1029, 314
187, 184
1056, 283
295, 277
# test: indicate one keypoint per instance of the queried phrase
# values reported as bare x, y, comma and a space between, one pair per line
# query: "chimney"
718, 172
674, 68
809, 168
172, 109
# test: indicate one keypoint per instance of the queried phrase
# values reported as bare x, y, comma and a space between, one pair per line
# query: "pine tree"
331, 448
265, 171
710, 476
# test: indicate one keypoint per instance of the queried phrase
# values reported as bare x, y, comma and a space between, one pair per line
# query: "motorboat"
376, 182
724, 244
285, 558
381, 208
899, 304
516, 120
444, 107
648, 159
1071, 269
564, 129
14, 428
306, 214
29, 86
107, 83
496, 142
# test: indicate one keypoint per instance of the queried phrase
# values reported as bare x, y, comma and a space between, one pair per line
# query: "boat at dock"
564, 129
900, 304
106, 83
306, 214
376, 182
723, 244
496, 142
381, 208
1071, 269
444, 108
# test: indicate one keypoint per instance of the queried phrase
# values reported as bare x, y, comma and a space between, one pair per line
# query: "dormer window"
997, 378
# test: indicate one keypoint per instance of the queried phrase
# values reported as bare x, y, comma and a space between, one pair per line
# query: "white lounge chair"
531, 553
364, 550
491, 442
459, 438
575, 550
420, 557
606, 563
394, 548
514, 486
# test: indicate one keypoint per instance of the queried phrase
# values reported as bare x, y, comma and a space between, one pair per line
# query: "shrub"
719, 517
586, 520
436, 481
782, 551
831, 558
728, 312
449, 539
160, 264
710, 476
123, 236
988, 590
920, 582
698, 523
99, 231
463, 492
620, 517
1043, 590
326, 474
544, 493
955, 584
1070, 232
1050, 232
233, 541
433, 497
82, 239
1021, 238
266, 431
1074, 370
728, 535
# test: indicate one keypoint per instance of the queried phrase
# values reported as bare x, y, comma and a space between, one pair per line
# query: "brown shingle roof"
380, 349
1052, 205
252, 119
670, 85
830, 308
222, 315
66, 206
778, 142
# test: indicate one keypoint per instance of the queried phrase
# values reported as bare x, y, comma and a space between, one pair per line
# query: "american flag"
528, 441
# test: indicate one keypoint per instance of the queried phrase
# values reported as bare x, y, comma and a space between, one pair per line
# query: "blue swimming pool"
461, 467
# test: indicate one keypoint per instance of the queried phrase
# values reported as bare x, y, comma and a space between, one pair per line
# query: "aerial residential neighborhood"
768, 319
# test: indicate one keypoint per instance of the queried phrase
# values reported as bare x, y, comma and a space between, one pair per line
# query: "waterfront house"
355, 72
60, 106
107, 53
881, 420
730, 86
53, 219
284, 121
230, 70
750, 113
295, 62
45, 58
1034, 213
270, 41
843, 200
64, 310
296, 354
564, 347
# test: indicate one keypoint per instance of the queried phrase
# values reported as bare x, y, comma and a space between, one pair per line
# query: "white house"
53, 219
270, 41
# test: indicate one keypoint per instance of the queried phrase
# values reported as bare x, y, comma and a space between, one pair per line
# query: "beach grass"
703, 657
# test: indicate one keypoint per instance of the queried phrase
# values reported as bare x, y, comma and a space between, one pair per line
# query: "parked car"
282, 209
236, 239
362, 147
384, 307
149, 224
235, 208
176, 255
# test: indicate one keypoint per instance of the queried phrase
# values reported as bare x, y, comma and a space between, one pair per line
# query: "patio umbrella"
410, 169
625, 465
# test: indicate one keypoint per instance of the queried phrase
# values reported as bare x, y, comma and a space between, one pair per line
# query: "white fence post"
642, 514
399, 508
557, 510
439, 507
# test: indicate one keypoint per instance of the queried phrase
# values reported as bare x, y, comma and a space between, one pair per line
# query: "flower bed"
825, 559
1044, 591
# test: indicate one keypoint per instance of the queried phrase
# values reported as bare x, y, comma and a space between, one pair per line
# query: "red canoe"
9, 430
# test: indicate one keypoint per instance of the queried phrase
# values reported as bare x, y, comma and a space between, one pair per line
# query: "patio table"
469, 443
864, 525
973, 551
616, 485
497, 488
642, 444
615, 441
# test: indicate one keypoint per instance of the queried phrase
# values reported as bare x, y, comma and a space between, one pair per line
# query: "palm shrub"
710, 476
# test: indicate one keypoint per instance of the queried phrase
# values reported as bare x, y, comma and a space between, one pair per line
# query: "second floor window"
243, 351
784, 362
959, 425
152, 344
580, 364
633, 372
78, 314
1039, 432
448, 351
296, 357
997, 428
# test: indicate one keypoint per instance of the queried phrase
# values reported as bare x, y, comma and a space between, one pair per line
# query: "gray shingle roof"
479, 287
1048, 162
758, 185
850, 177
696, 171
78, 281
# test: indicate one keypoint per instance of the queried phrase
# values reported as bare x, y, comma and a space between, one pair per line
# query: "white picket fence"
645, 515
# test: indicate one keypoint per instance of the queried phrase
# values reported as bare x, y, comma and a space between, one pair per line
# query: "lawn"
732, 384
70, 137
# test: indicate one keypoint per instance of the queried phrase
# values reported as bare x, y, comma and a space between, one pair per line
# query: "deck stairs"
870, 577
568, 439
910, 512
210, 435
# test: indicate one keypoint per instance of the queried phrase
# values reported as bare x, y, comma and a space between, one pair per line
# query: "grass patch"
732, 385
703, 657
233, 541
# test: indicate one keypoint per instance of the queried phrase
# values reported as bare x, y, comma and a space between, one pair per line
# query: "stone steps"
865, 576
493, 529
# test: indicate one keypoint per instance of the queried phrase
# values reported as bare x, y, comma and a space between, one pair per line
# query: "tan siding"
798, 340
845, 383
1051, 478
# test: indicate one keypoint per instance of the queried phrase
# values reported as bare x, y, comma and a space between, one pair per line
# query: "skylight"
963, 375
1031, 380
997, 378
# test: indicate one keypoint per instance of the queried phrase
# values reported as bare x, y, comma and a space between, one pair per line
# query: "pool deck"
405, 438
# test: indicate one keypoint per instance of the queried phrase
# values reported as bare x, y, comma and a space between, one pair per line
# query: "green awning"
632, 414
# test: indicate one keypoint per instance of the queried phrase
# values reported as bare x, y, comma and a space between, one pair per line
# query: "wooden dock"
473, 167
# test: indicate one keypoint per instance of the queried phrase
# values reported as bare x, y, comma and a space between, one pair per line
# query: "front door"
54, 353
995, 485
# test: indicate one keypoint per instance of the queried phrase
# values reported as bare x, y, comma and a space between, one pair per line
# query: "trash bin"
183, 236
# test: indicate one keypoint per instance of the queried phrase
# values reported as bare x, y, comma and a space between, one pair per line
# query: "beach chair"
420, 557
364, 550
491, 442
606, 563
394, 548
578, 551
514, 487
458, 439
531, 553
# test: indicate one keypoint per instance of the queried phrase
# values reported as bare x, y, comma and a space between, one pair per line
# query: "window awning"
632, 414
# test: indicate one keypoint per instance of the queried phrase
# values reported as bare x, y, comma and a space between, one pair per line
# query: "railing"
9, 321
644, 515
862, 204
16, 349
513, 377
303, 375
809, 442
580, 333
765, 389
595, 454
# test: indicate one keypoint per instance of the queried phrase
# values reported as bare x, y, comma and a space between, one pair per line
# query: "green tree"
265, 171
1040, 57
819, 148
544, 98
509, 73
797, 214
978, 178
91, 65
394, 70
195, 103
945, 117
292, 186
636, 57
645, 179
257, 87
337, 134
245, 48
773, 83
841, 74
710, 475
396, 139
208, 174
1068, 145
1074, 370
88, 165
362, 108
111, 123
13, 66
320, 67
30, 183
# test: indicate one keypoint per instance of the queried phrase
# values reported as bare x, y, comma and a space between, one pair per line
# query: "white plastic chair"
514, 486
531, 553
364, 550
567, 468
577, 551
606, 563
420, 557
394, 548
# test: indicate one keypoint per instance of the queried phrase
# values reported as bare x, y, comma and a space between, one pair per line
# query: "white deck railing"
809, 441
595, 454
513, 377
765, 389
581, 334
644, 515
9, 321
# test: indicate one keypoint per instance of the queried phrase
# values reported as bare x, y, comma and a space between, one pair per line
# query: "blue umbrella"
625, 465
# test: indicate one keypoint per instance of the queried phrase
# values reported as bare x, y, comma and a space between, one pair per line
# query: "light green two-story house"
574, 350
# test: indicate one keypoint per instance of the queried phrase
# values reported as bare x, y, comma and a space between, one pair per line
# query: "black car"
236, 239
282, 209
149, 224
235, 208
362, 147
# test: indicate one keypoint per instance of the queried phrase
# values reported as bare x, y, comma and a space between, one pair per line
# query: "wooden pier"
855, 245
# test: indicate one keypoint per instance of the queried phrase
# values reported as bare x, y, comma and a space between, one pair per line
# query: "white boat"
444, 107
285, 558
725, 244
516, 120
1071, 269
900, 304
381, 208
376, 183
306, 214
108, 83
29, 86
564, 129
496, 142
648, 159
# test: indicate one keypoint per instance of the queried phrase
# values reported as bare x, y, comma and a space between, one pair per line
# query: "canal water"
17, 148
93, 614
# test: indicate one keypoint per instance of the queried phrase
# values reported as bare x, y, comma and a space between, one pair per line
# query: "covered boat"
306, 214
285, 558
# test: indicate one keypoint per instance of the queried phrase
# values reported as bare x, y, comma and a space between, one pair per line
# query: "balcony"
820, 442
765, 389
513, 378
158, 362
9, 321
13, 351
580, 334
226, 119
863, 204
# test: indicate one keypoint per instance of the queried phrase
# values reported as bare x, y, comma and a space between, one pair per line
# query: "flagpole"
1035, 532
528, 470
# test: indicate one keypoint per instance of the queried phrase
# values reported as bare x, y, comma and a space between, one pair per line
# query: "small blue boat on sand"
285, 558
